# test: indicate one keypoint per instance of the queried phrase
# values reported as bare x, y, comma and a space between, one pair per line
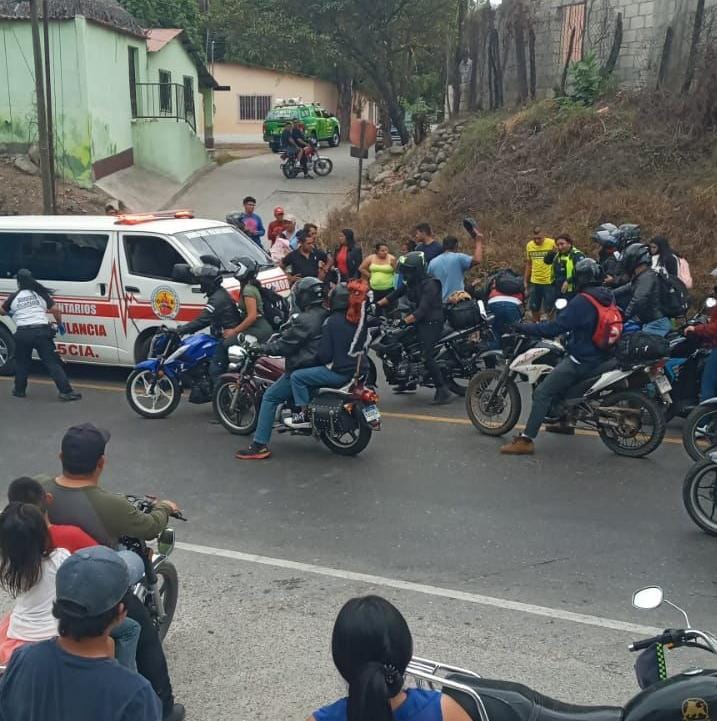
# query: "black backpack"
674, 298
509, 282
276, 308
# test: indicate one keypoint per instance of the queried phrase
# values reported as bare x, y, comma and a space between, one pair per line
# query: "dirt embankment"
567, 168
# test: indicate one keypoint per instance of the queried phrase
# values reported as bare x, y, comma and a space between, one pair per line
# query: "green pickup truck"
318, 123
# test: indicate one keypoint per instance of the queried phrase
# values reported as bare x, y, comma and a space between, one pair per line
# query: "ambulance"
111, 276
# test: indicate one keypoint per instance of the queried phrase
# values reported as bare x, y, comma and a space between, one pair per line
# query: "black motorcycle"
464, 348
687, 696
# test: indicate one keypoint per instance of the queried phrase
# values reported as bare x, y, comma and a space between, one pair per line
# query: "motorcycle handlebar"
671, 636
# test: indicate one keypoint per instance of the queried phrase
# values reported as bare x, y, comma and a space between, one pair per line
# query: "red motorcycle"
343, 419
291, 166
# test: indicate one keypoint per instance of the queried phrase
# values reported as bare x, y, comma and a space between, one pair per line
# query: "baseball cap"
94, 580
82, 448
278, 211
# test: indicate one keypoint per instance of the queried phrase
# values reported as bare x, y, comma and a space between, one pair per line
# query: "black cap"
82, 448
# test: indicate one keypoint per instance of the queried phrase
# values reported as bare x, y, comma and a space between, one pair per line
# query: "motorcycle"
343, 419
699, 493
159, 589
628, 422
154, 388
320, 164
460, 354
687, 695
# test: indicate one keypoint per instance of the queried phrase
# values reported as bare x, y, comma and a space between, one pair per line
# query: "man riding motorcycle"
77, 499
299, 344
579, 321
220, 314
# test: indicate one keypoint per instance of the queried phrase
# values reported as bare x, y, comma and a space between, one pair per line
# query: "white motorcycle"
628, 422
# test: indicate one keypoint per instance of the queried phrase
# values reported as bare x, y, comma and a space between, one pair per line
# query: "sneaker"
405, 388
255, 452
563, 429
298, 421
519, 446
442, 396
176, 713
18, 394
71, 396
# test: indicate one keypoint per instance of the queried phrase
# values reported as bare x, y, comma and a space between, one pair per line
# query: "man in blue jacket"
578, 321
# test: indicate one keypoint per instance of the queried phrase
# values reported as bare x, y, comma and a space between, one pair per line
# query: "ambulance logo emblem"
165, 303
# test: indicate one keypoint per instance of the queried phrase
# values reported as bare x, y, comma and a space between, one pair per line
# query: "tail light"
367, 395
657, 367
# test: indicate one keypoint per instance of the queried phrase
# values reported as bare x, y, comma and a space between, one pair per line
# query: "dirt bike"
685, 696
628, 422
291, 166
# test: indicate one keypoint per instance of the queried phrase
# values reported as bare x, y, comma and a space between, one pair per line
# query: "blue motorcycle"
154, 388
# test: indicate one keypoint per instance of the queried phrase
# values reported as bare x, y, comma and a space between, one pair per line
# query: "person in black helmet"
341, 345
425, 293
643, 290
298, 343
579, 320
219, 314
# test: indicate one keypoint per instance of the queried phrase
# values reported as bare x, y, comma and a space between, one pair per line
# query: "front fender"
709, 402
147, 365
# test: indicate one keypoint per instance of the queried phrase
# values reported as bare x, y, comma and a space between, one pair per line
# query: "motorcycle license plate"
663, 385
371, 414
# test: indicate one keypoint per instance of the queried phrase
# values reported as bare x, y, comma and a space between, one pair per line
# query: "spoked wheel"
290, 170
150, 396
323, 166
493, 412
169, 591
235, 409
637, 432
699, 434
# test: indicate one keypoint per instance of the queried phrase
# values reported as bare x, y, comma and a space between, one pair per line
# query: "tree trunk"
385, 120
533, 70
665, 58
344, 105
611, 61
497, 69
694, 46
521, 62
564, 78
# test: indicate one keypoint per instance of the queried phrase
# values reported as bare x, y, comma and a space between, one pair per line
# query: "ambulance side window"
150, 256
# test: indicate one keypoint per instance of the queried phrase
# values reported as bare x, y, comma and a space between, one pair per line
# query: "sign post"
362, 137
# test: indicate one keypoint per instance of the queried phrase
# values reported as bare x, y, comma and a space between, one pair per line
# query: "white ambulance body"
112, 277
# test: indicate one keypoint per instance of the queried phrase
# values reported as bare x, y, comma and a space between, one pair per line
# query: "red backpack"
609, 324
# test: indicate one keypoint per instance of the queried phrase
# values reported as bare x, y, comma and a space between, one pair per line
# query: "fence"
164, 100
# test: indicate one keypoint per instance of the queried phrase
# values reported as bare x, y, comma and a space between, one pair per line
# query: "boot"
561, 428
519, 446
443, 396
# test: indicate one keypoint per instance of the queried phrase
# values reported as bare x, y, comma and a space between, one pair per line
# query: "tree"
169, 14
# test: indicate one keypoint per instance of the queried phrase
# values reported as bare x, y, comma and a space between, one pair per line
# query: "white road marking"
502, 603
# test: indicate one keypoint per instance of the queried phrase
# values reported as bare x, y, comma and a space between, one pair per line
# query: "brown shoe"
519, 446
563, 429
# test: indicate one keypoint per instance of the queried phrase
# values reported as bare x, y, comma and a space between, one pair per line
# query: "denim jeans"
126, 637
542, 296
555, 387
708, 388
276, 394
304, 380
504, 315
661, 327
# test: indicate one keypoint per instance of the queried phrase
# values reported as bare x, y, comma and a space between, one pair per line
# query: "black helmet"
208, 276
339, 298
609, 227
412, 266
246, 269
627, 234
587, 273
309, 291
635, 255
605, 238
235, 220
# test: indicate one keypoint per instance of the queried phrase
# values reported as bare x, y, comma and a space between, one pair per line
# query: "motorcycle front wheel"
699, 433
494, 409
323, 166
152, 397
638, 433
236, 410
699, 494
290, 170
169, 591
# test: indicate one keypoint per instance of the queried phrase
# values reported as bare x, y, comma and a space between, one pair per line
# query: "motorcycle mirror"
182, 273
165, 542
561, 303
481, 308
710, 302
648, 598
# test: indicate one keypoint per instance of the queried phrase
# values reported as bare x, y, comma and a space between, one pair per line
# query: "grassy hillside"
647, 160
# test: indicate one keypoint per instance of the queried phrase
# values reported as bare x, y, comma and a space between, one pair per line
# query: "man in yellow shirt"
539, 275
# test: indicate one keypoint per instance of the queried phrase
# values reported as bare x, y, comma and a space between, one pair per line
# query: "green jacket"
564, 266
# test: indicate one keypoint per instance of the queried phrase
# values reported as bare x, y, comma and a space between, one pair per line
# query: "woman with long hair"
250, 304
379, 270
663, 257
29, 308
348, 256
372, 646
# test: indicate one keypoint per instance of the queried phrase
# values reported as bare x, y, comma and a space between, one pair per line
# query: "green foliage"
479, 139
586, 80
169, 14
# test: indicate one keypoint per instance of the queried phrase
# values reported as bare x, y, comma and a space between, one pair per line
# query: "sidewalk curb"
191, 180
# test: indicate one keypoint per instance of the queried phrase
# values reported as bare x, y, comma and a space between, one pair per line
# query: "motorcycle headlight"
236, 354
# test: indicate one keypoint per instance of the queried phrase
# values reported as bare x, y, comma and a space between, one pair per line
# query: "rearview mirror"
182, 273
561, 303
648, 598
165, 542
710, 302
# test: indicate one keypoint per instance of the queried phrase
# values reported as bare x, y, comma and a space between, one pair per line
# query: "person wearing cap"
75, 677
79, 500
29, 308
276, 227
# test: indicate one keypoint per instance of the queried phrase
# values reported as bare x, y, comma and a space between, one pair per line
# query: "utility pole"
48, 94
41, 112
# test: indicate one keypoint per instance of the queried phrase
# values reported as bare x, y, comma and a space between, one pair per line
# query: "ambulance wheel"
7, 352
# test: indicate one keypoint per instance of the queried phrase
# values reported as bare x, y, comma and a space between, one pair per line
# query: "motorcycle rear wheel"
700, 498
348, 444
243, 420
166, 390
459, 386
627, 444
323, 166
169, 590
506, 404
699, 433
290, 170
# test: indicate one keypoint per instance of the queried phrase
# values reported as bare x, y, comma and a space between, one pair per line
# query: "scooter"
686, 696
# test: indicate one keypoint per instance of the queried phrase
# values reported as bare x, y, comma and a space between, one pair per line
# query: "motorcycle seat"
508, 701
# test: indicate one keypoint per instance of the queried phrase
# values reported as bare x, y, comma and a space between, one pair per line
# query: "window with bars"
165, 92
254, 107
573, 28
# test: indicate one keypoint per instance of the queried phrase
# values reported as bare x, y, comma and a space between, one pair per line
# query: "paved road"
489, 557
222, 190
